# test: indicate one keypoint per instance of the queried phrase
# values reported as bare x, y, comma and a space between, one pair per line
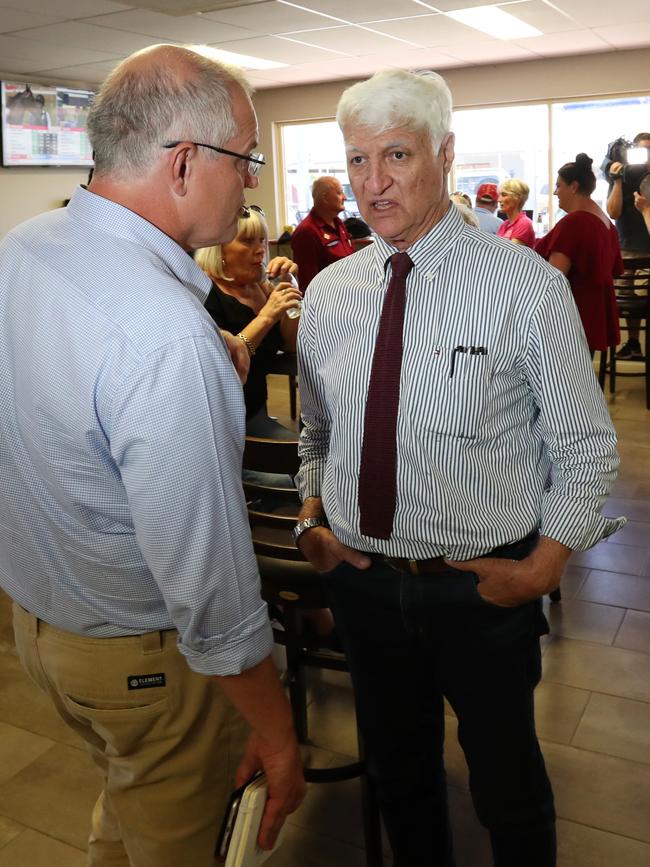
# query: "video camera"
635, 161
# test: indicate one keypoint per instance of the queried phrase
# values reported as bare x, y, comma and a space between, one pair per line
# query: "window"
310, 150
523, 141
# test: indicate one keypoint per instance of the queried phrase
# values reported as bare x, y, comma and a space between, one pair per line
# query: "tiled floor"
593, 712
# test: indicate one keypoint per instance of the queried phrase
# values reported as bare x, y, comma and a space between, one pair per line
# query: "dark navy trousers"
412, 640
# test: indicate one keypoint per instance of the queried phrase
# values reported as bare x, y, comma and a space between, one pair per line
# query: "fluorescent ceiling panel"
246, 61
494, 21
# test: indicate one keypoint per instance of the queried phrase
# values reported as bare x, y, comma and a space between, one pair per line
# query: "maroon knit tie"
378, 472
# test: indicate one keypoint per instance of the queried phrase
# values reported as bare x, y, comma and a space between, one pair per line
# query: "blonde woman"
517, 227
244, 302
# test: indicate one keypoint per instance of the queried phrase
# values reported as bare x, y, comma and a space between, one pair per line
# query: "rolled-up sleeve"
573, 421
177, 433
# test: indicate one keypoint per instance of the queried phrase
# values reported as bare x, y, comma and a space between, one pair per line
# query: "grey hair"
177, 95
395, 98
644, 186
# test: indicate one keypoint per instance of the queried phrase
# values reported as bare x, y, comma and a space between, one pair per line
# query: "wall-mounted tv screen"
44, 125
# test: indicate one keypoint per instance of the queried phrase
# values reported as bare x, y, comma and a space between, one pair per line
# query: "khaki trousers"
167, 752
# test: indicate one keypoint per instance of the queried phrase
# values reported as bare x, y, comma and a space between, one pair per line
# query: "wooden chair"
284, 364
291, 585
634, 306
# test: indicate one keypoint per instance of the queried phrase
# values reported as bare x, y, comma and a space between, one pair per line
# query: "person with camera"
642, 201
623, 183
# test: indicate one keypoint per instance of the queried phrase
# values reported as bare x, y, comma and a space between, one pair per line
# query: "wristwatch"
307, 524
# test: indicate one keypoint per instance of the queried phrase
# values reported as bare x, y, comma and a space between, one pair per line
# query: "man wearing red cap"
487, 199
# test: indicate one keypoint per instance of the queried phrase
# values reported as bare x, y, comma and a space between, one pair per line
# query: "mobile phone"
230, 817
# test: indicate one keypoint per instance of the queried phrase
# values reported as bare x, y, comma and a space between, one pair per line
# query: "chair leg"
602, 369
296, 673
293, 387
370, 815
612, 370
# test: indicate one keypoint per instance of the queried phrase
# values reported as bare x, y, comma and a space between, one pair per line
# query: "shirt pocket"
450, 399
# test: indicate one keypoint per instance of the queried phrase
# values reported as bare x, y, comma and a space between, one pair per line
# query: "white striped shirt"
121, 440
518, 438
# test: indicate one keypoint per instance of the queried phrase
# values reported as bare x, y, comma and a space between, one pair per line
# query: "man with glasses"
124, 538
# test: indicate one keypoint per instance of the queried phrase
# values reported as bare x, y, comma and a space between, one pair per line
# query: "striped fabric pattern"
502, 425
121, 438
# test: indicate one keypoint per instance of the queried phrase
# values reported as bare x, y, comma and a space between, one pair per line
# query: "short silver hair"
176, 95
394, 98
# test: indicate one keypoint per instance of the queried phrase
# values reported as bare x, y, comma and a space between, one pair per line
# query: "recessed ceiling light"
246, 61
494, 21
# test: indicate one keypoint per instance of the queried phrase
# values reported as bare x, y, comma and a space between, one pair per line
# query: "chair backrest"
271, 456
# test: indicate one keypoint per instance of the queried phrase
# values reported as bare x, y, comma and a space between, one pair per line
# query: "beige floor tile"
615, 726
572, 580
558, 710
334, 810
634, 510
308, 849
331, 717
24, 705
608, 793
8, 830
610, 670
635, 631
613, 588
633, 533
572, 618
54, 795
471, 841
32, 849
613, 558
581, 846
18, 749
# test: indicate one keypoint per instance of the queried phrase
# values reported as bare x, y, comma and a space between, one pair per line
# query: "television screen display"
44, 125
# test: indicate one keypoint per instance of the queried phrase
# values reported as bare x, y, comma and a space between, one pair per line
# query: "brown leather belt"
514, 551
416, 567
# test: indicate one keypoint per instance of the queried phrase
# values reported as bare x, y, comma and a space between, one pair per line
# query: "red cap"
487, 193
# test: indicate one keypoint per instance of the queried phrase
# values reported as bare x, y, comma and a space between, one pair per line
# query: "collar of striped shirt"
119, 221
427, 252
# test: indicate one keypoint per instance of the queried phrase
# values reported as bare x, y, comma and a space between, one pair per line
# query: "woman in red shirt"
584, 246
517, 228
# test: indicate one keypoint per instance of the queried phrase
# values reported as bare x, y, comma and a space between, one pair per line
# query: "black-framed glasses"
255, 161
246, 211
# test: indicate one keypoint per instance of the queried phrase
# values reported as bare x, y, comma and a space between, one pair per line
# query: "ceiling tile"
91, 73
65, 8
351, 40
47, 55
269, 17
73, 33
189, 28
15, 19
623, 35
365, 10
449, 5
578, 41
591, 14
431, 30
278, 49
493, 50
15, 66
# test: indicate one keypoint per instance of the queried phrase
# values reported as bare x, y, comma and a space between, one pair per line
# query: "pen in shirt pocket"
471, 350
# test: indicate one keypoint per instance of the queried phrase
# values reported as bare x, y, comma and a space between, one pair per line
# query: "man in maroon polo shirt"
321, 238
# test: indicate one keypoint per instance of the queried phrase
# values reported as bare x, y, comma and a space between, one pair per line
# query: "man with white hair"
124, 538
456, 449
321, 238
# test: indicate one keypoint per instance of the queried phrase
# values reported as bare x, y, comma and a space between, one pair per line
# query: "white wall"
27, 192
